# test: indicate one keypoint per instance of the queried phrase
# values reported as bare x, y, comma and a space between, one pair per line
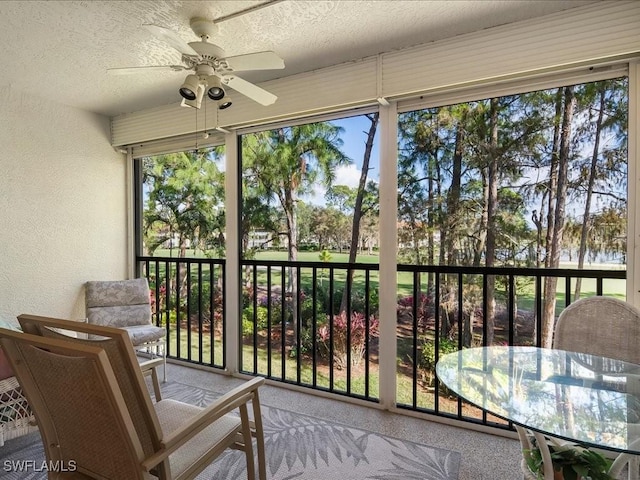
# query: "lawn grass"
525, 286
404, 383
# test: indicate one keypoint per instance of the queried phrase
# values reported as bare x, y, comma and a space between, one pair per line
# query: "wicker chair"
601, 326
126, 304
16, 417
96, 415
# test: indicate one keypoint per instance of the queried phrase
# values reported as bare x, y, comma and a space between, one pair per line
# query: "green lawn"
315, 257
525, 287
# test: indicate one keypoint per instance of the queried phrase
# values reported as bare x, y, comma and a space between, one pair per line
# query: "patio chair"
92, 335
95, 413
126, 304
601, 326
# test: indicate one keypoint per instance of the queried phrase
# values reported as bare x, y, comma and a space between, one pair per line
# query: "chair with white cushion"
126, 304
97, 419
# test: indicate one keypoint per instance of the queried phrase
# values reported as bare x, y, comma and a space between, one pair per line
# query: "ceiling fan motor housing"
203, 28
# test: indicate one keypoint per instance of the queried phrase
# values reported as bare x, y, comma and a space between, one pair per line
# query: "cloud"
348, 175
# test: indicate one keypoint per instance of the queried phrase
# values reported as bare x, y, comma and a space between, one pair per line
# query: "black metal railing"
188, 300
446, 308
303, 323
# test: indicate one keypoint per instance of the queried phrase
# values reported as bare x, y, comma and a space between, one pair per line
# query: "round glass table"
590, 400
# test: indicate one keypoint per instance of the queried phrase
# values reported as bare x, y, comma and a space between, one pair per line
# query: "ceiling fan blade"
134, 70
248, 89
254, 61
172, 39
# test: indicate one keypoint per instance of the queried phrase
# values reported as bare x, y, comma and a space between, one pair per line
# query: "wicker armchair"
16, 417
602, 326
96, 415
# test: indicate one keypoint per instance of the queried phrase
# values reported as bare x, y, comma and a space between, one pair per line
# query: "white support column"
388, 252
633, 179
232, 244
130, 181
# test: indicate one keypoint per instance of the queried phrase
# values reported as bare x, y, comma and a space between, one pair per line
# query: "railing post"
388, 253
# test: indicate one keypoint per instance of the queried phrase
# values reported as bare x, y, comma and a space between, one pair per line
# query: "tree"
184, 201
558, 198
602, 100
359, 208
288, 162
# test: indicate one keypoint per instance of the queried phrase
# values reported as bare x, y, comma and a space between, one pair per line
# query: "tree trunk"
292, 248
551, 283
481, 240
492, 209
357, 210
453, 198
586, 222
555, 247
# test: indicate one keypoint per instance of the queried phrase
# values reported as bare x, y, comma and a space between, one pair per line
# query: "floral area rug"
297, 446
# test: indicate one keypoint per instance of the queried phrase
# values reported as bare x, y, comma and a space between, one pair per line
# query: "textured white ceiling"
62, 49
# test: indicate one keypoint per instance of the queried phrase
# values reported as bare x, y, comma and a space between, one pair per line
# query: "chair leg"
258, 432
634, 466
164, 367
248, 444
156, 385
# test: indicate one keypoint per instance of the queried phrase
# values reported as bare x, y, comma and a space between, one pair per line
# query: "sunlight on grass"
260, 365
200, 355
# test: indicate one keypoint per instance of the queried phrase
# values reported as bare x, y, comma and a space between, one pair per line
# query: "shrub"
427, 360
261, 317
358, 337
306, 342
275, 305
307, 313
424, 305
358, 300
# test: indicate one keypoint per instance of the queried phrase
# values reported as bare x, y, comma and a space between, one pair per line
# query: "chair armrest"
238, 396
153, 363
148, 368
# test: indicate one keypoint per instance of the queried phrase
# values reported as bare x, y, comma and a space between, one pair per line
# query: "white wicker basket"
16, 418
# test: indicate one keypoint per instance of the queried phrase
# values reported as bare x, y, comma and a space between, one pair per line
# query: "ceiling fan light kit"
211, 68
215, 91
189, 88
224, 105
196, 101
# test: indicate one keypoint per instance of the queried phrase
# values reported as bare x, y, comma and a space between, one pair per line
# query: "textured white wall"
62, 206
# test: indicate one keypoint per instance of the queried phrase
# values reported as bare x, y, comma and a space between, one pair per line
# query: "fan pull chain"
196, 132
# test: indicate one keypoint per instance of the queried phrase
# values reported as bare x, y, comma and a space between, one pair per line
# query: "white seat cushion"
140, 334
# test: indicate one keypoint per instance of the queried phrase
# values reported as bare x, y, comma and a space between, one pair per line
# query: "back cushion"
118, 303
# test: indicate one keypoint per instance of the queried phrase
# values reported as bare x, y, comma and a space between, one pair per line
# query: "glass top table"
590, 400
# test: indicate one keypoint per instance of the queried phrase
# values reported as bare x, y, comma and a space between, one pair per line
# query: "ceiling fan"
212, 70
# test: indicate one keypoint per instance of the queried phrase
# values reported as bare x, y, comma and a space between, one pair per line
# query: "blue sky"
354, 138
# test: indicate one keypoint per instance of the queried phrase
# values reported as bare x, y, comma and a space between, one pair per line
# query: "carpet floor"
298, 447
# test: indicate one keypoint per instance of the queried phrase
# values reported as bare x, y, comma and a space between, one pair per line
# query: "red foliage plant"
356, 332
